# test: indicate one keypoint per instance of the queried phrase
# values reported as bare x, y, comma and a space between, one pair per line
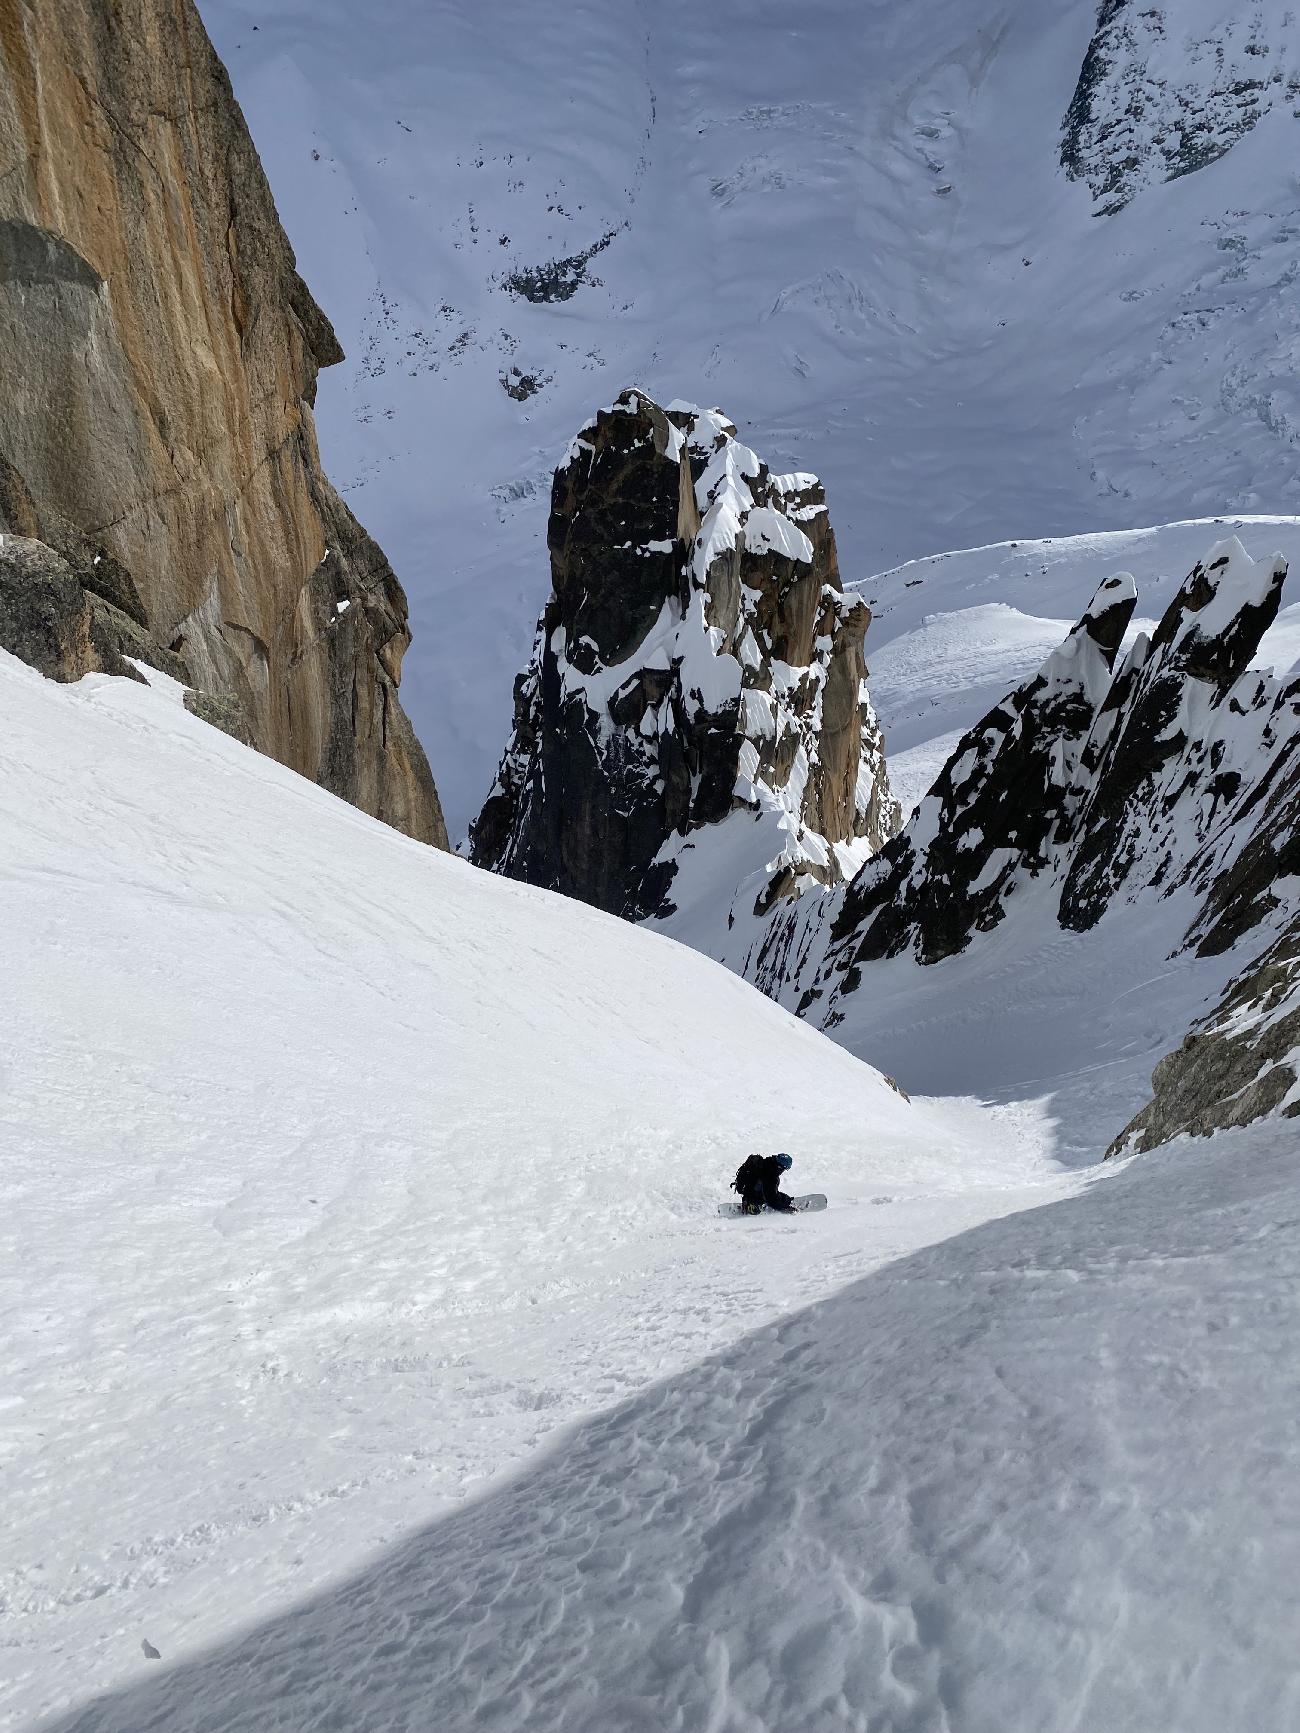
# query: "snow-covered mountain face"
696, 695
851, 224
1167, 90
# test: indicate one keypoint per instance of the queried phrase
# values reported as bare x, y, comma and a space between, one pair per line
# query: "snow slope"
849, 223
336, 1175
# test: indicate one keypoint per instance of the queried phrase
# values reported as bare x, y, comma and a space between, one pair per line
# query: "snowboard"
812, 1201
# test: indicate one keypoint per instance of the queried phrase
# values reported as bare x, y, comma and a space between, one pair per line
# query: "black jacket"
762, 1174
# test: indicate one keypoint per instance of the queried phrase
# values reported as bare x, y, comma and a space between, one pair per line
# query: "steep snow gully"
374, 1355
337, 1175
340, 1177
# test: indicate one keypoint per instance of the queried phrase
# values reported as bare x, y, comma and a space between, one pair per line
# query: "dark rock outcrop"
159, 355
998, 808
1163, 773
46, 616
698, 668
1240, 1064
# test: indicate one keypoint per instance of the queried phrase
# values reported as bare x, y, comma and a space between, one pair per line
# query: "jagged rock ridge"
698, 668
1101, 784
160, 354
1175, 771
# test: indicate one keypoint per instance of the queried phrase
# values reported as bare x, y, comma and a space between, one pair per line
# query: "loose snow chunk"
747, 770
576, 450
729, 469
1121, 587
768, 530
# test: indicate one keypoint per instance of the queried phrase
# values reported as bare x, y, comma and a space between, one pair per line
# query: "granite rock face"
697, 685
159, 354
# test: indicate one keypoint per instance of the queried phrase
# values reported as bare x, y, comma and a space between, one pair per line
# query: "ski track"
801, 1532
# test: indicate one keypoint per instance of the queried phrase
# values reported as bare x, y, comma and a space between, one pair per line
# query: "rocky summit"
160, 354
695, 708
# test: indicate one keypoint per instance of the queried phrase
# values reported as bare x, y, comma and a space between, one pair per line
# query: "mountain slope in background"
850, 225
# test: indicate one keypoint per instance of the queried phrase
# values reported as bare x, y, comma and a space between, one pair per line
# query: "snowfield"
337, 1176
1042, 1476
377, 1358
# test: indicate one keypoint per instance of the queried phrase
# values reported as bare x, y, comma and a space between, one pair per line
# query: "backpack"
749, 1177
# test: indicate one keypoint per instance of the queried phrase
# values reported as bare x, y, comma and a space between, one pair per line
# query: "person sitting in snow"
758, 1180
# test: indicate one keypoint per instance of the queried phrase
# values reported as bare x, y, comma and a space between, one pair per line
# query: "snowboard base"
813, 1200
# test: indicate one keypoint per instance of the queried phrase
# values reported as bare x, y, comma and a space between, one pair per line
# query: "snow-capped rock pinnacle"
697, 660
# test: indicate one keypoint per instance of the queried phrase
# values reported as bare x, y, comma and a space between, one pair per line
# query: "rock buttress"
158, 362
695, 709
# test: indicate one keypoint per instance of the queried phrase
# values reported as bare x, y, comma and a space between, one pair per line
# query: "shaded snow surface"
1041, 1476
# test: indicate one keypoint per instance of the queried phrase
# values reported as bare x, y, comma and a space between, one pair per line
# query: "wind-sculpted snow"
1042, 1476
696, 704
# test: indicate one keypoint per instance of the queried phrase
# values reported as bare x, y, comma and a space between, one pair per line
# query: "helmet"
785, 1162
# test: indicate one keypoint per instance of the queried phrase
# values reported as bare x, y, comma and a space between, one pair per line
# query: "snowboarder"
758, 1180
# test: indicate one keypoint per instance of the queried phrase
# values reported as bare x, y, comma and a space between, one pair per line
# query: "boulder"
1238, 1065
46, 617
